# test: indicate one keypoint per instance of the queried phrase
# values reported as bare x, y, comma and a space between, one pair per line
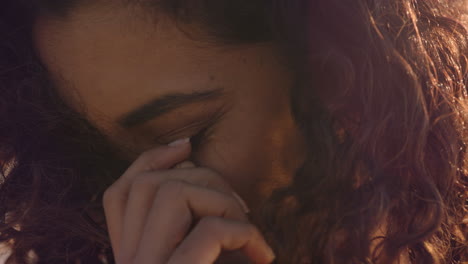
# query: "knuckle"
109, 195
233, 209
213, 178
172, 188
210, 224
142, 183
251, 230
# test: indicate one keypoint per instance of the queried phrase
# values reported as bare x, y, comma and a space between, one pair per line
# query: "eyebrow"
165, 104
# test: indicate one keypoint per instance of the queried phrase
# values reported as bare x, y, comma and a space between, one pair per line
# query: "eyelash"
196, 139
199, 138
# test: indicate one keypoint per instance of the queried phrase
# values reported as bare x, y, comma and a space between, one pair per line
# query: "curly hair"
381, 98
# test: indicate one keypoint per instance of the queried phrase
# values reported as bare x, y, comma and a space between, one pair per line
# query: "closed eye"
199, 138
197, 131
193, 131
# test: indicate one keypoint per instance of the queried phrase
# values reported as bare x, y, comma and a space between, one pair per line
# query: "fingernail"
465, 221
242, 202
184, 165
271, 255
179, 142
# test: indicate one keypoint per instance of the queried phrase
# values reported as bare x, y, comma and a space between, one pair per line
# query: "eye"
199, 138
198, 131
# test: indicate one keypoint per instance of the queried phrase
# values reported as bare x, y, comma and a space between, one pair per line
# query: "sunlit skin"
109, 61
117, 63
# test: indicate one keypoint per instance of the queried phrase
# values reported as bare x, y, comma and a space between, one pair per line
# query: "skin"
107, 61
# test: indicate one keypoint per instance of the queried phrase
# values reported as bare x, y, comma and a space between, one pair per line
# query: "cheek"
254, 156
240, 161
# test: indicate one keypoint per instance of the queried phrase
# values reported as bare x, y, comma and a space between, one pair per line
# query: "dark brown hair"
380, 97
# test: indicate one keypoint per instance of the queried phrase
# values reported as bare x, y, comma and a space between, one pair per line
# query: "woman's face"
145, 83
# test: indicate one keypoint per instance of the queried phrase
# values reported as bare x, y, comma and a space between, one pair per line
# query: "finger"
159, 158
213, 234
184, 165
115, 197
176, 205
143, 191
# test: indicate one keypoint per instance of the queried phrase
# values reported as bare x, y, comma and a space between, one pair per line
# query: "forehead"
112, 60
103, 52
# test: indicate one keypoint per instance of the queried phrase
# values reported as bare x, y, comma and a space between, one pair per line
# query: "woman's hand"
159, 215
